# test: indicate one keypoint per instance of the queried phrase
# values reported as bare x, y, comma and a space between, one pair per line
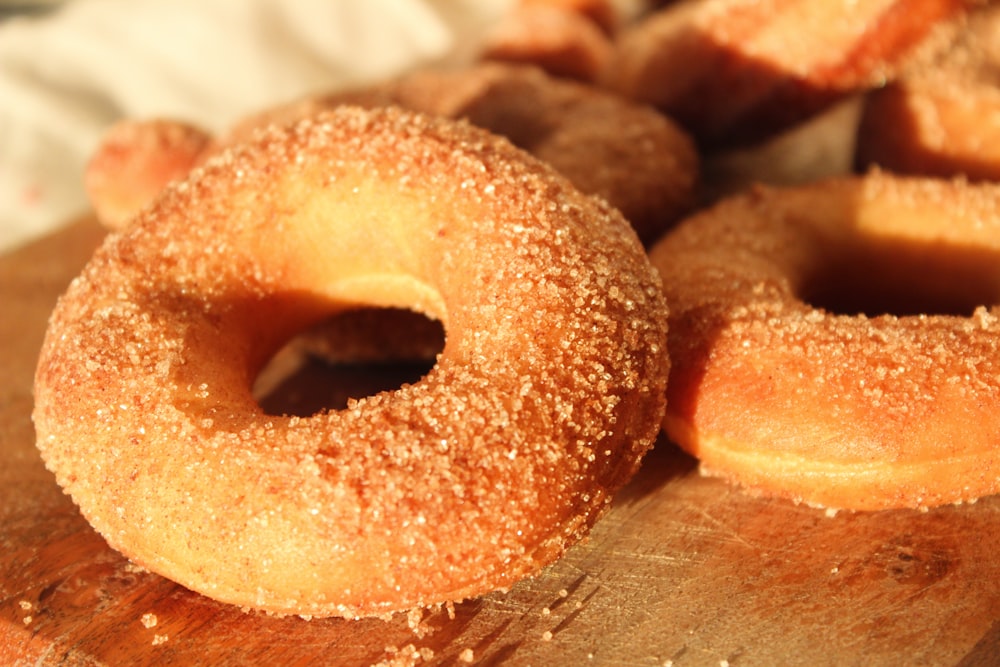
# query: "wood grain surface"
683, 571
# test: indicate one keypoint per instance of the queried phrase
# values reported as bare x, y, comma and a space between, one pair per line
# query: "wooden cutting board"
683, 571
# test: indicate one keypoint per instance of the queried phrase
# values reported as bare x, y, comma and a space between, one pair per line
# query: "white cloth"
67, 75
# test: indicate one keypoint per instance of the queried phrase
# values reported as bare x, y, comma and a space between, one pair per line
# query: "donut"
734, 73
549, 389
133, 162
838, 343
942, 120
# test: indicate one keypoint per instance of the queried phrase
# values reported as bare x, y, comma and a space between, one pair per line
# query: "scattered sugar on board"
26, 606
407, 656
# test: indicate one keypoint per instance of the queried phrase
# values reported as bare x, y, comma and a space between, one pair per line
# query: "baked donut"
548, 391
734, 73
942, 120
135, 160
838, 343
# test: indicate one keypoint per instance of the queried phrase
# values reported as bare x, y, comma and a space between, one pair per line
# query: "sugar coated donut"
944, 119
548, 391
838, 343
734, 72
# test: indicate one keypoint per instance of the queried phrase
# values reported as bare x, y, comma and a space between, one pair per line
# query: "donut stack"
744, 225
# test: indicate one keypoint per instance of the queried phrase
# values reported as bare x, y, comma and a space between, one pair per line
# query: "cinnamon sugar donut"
734, 73
941, 120
548, 391
838, 343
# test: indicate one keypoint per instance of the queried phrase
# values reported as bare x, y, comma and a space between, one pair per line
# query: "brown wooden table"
683, 571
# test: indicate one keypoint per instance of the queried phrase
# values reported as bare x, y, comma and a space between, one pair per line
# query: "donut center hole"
351, 355
901, 280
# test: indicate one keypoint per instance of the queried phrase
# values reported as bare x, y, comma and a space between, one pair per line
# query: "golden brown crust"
735, 72
548, 391
778, 384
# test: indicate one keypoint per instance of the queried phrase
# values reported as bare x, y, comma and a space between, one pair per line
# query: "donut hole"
351, 355
903, 278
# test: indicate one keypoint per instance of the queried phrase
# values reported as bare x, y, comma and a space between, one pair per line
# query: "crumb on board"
415, 622
413, 618
148, 620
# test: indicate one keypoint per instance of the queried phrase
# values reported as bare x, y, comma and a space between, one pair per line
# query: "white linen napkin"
65, 76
